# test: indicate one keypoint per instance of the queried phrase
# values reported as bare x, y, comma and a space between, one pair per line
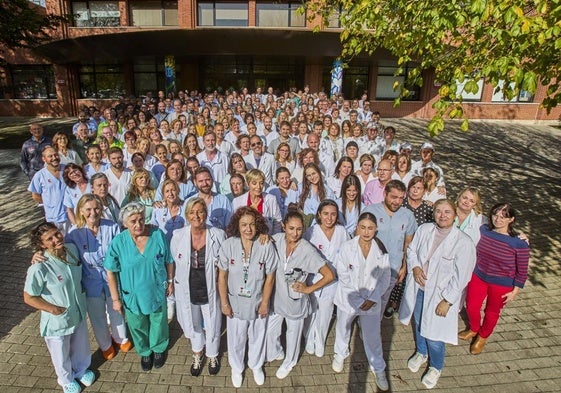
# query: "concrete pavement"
507, 161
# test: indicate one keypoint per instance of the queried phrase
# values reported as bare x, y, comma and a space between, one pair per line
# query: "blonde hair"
80, 220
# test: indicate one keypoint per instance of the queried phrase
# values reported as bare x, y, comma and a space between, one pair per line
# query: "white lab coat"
271, 210
181, 251
472, 228
350, 293
449, 271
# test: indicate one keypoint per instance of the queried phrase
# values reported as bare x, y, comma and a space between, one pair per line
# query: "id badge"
244, 292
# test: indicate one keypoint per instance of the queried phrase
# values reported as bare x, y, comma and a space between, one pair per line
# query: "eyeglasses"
257, 144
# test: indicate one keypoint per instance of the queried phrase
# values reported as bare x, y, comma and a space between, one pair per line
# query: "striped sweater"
502, 259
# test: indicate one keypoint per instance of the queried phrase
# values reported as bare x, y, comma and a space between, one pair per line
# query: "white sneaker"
258, 376
280, 356
338, 363
237, 379
310, 347
283, 372
381, 380
430, 379
320, 351
416, 361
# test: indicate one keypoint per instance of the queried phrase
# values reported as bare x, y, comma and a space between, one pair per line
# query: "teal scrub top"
142, 277
59, 283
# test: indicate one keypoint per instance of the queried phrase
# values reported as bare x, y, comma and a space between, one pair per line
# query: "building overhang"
193, 42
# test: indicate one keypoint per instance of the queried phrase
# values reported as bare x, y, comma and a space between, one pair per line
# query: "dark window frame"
292, 6
88, 5
43, 71
162, 12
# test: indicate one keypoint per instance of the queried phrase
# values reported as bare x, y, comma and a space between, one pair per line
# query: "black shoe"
197, 365
159, 359
146, 362
213, 365
389, 312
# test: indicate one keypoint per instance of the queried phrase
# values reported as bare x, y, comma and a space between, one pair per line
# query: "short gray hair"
131, 209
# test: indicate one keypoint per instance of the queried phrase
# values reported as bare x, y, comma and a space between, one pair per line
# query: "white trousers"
319, 321
98, 310
200, 316
371, 337
294, 328
238, 333
70, 354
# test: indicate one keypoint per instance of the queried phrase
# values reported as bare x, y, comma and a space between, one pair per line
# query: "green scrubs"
142, 285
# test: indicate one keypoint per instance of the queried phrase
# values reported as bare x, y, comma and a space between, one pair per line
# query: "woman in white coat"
440, 260
327, 236
265, 204
291, 303
195, 250
363, 270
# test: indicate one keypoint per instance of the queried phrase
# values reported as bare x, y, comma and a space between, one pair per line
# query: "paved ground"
508, 161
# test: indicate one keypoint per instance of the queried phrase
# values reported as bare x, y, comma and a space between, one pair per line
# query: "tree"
512, 44
22, 25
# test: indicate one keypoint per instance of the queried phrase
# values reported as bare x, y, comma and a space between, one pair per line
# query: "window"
96, 13
386, 80
279, 14
101, 80
355, 79
154, 13
470, 96
30, 82
334, 19
212, 13
148, 75
523, 95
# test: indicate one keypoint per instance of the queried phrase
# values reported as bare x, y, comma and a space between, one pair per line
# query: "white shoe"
237, 379
310, 347
430, 379
320, 352
258, 376
381, 380
338, 363
416, 361
283, 372
280, 356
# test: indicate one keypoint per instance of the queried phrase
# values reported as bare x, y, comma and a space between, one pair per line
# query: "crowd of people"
262, 211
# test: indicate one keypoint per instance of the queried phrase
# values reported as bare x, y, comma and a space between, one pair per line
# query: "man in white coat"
440, 261
260, 159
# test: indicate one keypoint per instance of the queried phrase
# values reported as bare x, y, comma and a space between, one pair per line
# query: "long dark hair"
323, 205
307, 186
38, 232
351, 180
508, 212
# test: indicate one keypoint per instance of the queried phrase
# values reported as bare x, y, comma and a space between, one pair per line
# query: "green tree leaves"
512, 44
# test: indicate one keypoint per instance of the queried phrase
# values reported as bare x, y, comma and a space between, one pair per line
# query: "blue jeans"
436, 350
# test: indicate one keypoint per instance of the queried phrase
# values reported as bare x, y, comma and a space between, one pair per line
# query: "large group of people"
260, 211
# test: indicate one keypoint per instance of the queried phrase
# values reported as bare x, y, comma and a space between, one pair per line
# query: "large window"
30, 82
334, 19
224, 73
279, 14
523, 95
154, 13
216, 13
149, 75
470, 96
95, 13
355, 79
101, 80
386, 80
